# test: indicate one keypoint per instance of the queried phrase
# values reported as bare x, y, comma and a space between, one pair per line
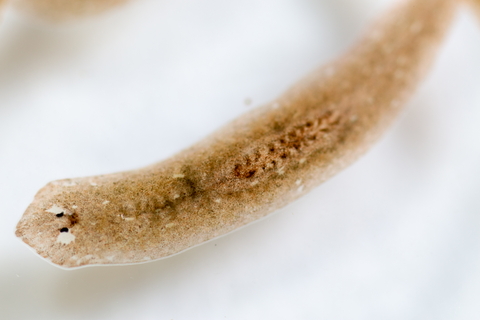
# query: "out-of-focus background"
395, 236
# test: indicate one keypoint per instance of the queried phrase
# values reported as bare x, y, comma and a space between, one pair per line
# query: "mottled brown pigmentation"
289, 145
256, 164
72, 219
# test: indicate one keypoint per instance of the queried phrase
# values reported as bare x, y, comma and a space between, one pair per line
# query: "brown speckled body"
256, 164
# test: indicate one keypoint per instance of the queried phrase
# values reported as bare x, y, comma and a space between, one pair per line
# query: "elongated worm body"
66, 9
254, 165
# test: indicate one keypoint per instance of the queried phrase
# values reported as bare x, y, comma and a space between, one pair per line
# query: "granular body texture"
251, 167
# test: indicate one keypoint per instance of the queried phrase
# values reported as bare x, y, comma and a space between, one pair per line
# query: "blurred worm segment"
2, 3
60, 10
476, 6
254, 165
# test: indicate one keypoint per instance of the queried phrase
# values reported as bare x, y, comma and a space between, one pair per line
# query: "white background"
395, 236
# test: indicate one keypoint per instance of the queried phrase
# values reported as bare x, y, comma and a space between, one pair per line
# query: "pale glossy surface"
132, 87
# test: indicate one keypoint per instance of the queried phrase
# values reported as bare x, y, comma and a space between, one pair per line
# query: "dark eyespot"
59, 215
64, 230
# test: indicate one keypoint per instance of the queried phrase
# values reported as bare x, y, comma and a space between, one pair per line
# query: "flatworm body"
251, 167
